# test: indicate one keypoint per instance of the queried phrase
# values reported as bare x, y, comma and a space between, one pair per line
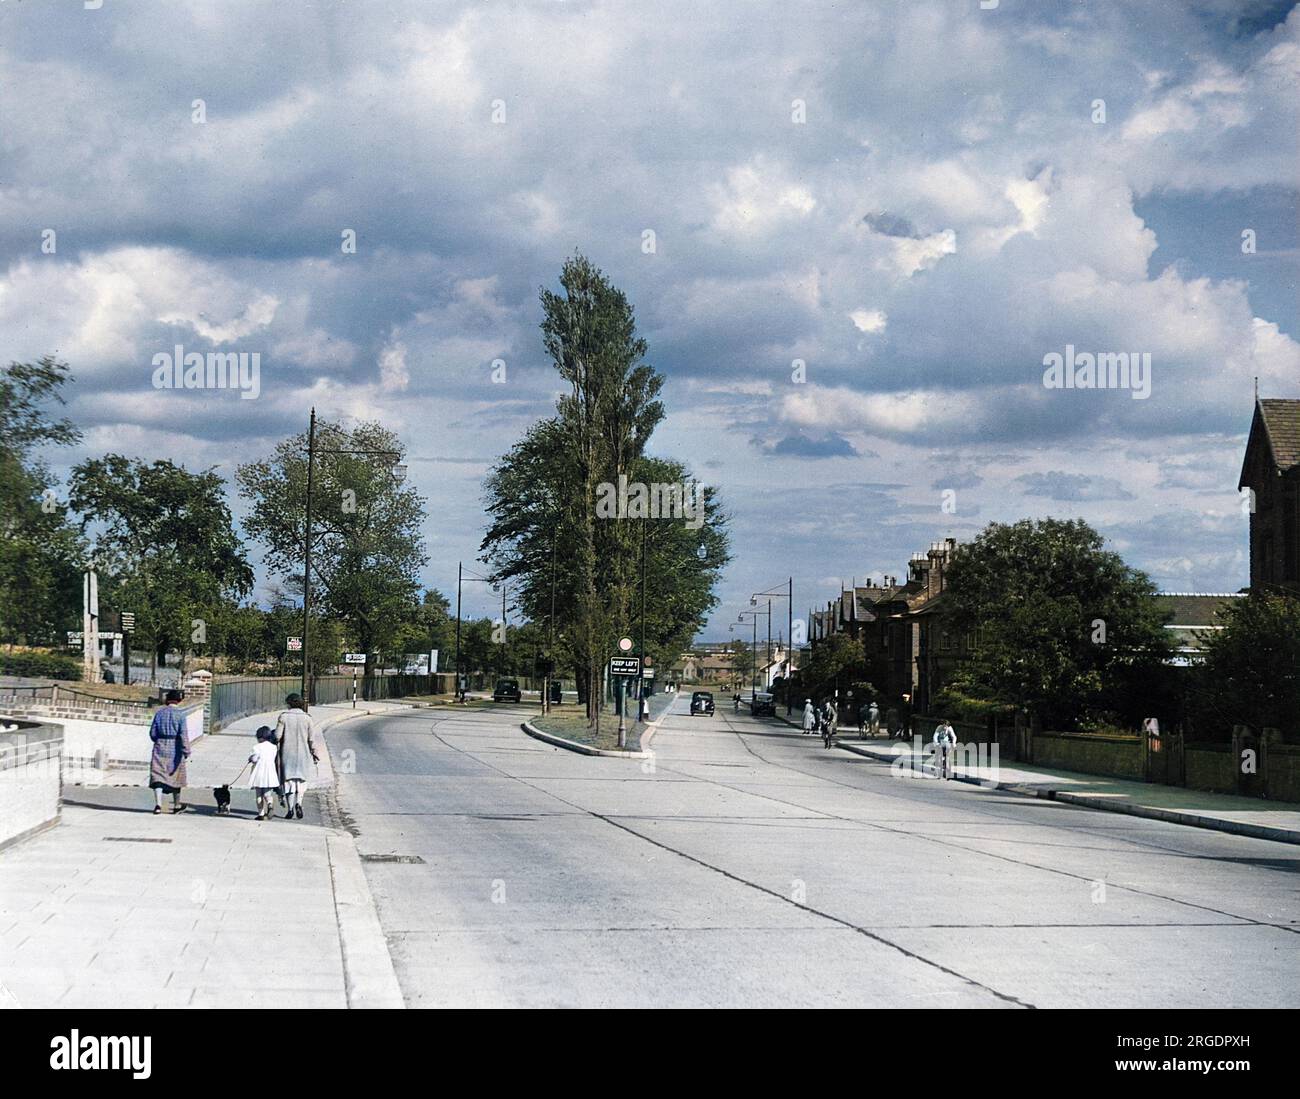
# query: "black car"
506, 690
763, 705
701, 703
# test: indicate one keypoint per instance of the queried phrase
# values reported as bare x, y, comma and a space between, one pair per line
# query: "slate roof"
1281, 425
1195, 610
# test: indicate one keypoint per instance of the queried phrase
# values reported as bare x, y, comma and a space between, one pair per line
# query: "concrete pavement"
744, 865
1255, 817
117, 907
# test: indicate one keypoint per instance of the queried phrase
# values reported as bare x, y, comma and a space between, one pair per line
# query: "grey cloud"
1056, 485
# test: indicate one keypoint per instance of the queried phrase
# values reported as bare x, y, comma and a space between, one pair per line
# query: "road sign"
625, 644
623, 665
293, 644
128, 621
354, 658
647, 673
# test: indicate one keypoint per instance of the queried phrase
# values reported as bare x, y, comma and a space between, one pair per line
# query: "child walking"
265, 779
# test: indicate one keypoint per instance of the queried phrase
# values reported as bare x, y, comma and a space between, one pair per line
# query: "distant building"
1271, 470
1191, 616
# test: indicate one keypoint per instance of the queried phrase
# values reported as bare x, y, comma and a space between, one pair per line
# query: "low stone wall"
1096, 755
1210, 767
1283, 772
31, 785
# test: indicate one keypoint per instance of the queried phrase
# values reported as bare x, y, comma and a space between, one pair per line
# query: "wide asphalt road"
748, 866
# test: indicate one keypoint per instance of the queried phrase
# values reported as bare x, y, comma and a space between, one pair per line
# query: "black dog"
222, 794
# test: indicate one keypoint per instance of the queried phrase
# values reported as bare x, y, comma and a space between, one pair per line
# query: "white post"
90, 626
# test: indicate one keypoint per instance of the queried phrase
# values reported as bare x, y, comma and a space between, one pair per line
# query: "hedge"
40, 665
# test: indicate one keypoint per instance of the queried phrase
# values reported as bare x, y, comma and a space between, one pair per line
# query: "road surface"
747, 866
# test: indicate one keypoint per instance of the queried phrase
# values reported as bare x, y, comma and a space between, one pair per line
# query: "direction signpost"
128, 628
354, 659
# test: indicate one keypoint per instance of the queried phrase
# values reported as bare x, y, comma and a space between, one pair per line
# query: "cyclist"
945, 741
829, 717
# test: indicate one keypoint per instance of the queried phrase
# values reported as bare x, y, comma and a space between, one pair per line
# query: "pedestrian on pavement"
809, 717
893, 726
873, 719
294, 729
171, 748
829, 718
945, 741
265, 779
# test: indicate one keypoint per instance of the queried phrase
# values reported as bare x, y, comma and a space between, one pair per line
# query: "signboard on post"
128, 622
647, 673
293, 644
623, 665
354, 658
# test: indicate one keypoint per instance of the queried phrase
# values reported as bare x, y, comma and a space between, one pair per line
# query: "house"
1191, 616
910, 653
1271, 471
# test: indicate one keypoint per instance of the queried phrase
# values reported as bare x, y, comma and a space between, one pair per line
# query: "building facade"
1271, 471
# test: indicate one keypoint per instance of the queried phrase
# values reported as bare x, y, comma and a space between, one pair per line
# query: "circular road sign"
625, 644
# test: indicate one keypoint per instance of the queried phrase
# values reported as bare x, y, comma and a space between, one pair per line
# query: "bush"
40, 665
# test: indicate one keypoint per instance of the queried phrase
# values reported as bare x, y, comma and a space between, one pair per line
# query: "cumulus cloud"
946, 214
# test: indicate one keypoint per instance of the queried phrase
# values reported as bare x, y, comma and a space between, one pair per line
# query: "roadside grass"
570, 722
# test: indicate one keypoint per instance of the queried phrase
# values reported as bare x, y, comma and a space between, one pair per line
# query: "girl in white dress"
265, 779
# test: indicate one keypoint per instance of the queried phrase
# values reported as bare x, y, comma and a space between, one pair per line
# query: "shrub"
40, 665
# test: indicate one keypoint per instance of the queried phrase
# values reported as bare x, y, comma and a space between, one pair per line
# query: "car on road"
701, 703
506, 690
763, 705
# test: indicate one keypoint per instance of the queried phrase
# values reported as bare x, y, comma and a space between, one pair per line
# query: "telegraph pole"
306, 566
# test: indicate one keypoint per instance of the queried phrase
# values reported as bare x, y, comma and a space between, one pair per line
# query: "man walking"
873, 718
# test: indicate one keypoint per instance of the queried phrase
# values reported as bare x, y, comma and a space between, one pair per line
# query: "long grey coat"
296, 733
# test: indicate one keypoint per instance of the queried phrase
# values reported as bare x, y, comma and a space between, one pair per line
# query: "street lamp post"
788, 596
460, 578
753, 651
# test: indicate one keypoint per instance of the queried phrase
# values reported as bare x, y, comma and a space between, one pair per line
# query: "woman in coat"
809, 716
171, 748
295, 731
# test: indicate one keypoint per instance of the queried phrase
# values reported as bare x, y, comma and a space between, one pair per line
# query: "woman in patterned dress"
171, 748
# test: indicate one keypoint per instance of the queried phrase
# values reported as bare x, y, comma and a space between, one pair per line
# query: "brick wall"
30, 780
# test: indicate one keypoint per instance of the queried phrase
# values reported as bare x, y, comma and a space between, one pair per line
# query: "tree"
166, 543
40, 553
429, 626
367, 545
547, 534
833, 663
742, 662
1250, 674
1054, 620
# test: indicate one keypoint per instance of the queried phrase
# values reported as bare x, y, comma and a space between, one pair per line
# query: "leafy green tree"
1250, 674
40, 553
1055, 620
546, 532
835, 662
166, 543
429, 625
367, 541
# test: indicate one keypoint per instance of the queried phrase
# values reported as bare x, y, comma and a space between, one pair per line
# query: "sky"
852, 233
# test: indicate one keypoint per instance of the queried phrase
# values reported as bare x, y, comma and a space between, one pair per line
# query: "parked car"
701, 703
763, 705
506, 690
